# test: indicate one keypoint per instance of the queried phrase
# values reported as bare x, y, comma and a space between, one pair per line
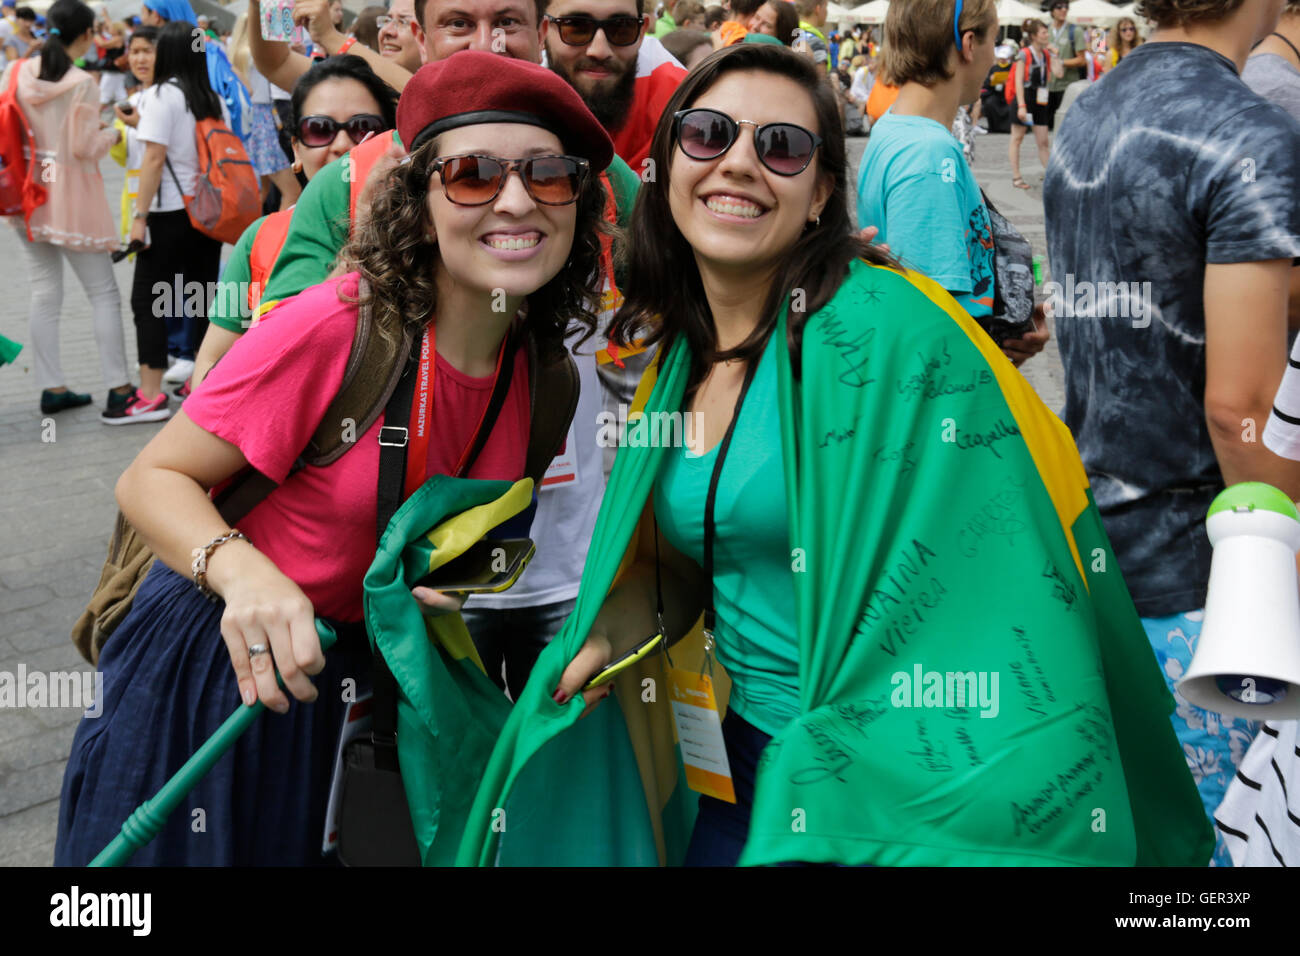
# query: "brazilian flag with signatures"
975, 685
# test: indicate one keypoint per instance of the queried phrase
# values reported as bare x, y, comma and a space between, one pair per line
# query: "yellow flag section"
453, 538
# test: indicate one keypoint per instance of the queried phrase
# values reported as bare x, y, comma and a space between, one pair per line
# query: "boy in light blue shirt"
914, 184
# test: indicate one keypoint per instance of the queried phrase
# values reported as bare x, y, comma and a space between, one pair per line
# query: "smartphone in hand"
491, 565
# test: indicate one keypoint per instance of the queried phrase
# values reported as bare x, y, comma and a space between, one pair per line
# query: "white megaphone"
1247, 661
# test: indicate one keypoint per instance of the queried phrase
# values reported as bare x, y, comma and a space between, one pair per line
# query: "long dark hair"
68, 19
344, 67
393, 255
181, 58
663, 294
787, 20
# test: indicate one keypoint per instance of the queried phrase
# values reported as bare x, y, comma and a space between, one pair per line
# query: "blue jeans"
721, 828
514, 637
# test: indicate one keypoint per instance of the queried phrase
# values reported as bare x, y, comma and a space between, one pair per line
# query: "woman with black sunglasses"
481, 251
336, 104
878, 518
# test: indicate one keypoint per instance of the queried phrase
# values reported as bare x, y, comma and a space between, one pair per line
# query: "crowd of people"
652, 210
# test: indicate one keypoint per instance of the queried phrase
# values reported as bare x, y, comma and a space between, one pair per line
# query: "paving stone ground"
57, 509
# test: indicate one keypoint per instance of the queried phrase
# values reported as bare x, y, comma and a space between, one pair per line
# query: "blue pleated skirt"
168, 685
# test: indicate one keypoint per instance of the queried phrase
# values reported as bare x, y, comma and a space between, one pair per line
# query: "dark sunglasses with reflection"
784, 148
320, 130
476, 180
580, 31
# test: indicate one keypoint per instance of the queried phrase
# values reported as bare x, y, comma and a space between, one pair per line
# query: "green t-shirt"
230, 309
665, 25
320, 225
756, 631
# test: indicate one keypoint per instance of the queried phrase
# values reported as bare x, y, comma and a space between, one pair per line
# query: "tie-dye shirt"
1167, 164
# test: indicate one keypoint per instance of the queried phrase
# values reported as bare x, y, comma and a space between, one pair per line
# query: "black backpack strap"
244, 494
375, 363
180, 192
393, 439
500, 388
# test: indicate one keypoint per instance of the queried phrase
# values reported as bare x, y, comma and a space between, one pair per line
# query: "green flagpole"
148, 819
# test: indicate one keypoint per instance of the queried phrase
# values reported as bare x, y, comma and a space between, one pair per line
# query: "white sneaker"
179, 372
981, 131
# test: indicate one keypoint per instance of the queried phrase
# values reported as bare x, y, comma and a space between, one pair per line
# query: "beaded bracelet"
201, 556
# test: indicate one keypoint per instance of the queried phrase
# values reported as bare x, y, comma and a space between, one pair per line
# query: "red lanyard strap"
420, 407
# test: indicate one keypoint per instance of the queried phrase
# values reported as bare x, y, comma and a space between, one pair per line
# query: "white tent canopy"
1095, 13
871, 13
1012, 13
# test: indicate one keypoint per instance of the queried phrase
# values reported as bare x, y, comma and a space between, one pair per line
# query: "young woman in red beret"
485, 236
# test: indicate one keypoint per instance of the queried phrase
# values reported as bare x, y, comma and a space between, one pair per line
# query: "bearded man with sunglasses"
600, 48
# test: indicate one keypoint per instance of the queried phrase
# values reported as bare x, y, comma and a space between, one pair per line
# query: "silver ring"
258, 649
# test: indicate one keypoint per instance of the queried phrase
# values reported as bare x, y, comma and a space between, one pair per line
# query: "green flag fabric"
448, 713
975, 684
9, 350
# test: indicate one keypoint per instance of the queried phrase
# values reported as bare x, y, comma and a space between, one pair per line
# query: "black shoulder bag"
374, 818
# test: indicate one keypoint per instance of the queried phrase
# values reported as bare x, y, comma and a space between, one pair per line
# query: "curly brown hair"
393, 254
1179, 13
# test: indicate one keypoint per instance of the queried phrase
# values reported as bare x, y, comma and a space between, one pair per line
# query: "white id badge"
699, 732
1043, 95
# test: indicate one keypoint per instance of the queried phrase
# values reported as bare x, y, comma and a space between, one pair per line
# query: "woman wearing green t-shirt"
888, 533
767, 213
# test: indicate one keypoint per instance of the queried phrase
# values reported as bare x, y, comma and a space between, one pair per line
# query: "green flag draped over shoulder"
975, 685
448, 712
8, 350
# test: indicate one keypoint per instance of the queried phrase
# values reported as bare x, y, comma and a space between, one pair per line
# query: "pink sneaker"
138, 409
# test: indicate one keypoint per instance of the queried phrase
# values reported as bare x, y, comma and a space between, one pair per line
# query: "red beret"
474, 86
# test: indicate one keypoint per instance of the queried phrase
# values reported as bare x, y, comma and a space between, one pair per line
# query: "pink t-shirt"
268, 395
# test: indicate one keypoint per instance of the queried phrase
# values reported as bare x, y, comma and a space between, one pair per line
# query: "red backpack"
1011, 76
20, 192
227, 198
